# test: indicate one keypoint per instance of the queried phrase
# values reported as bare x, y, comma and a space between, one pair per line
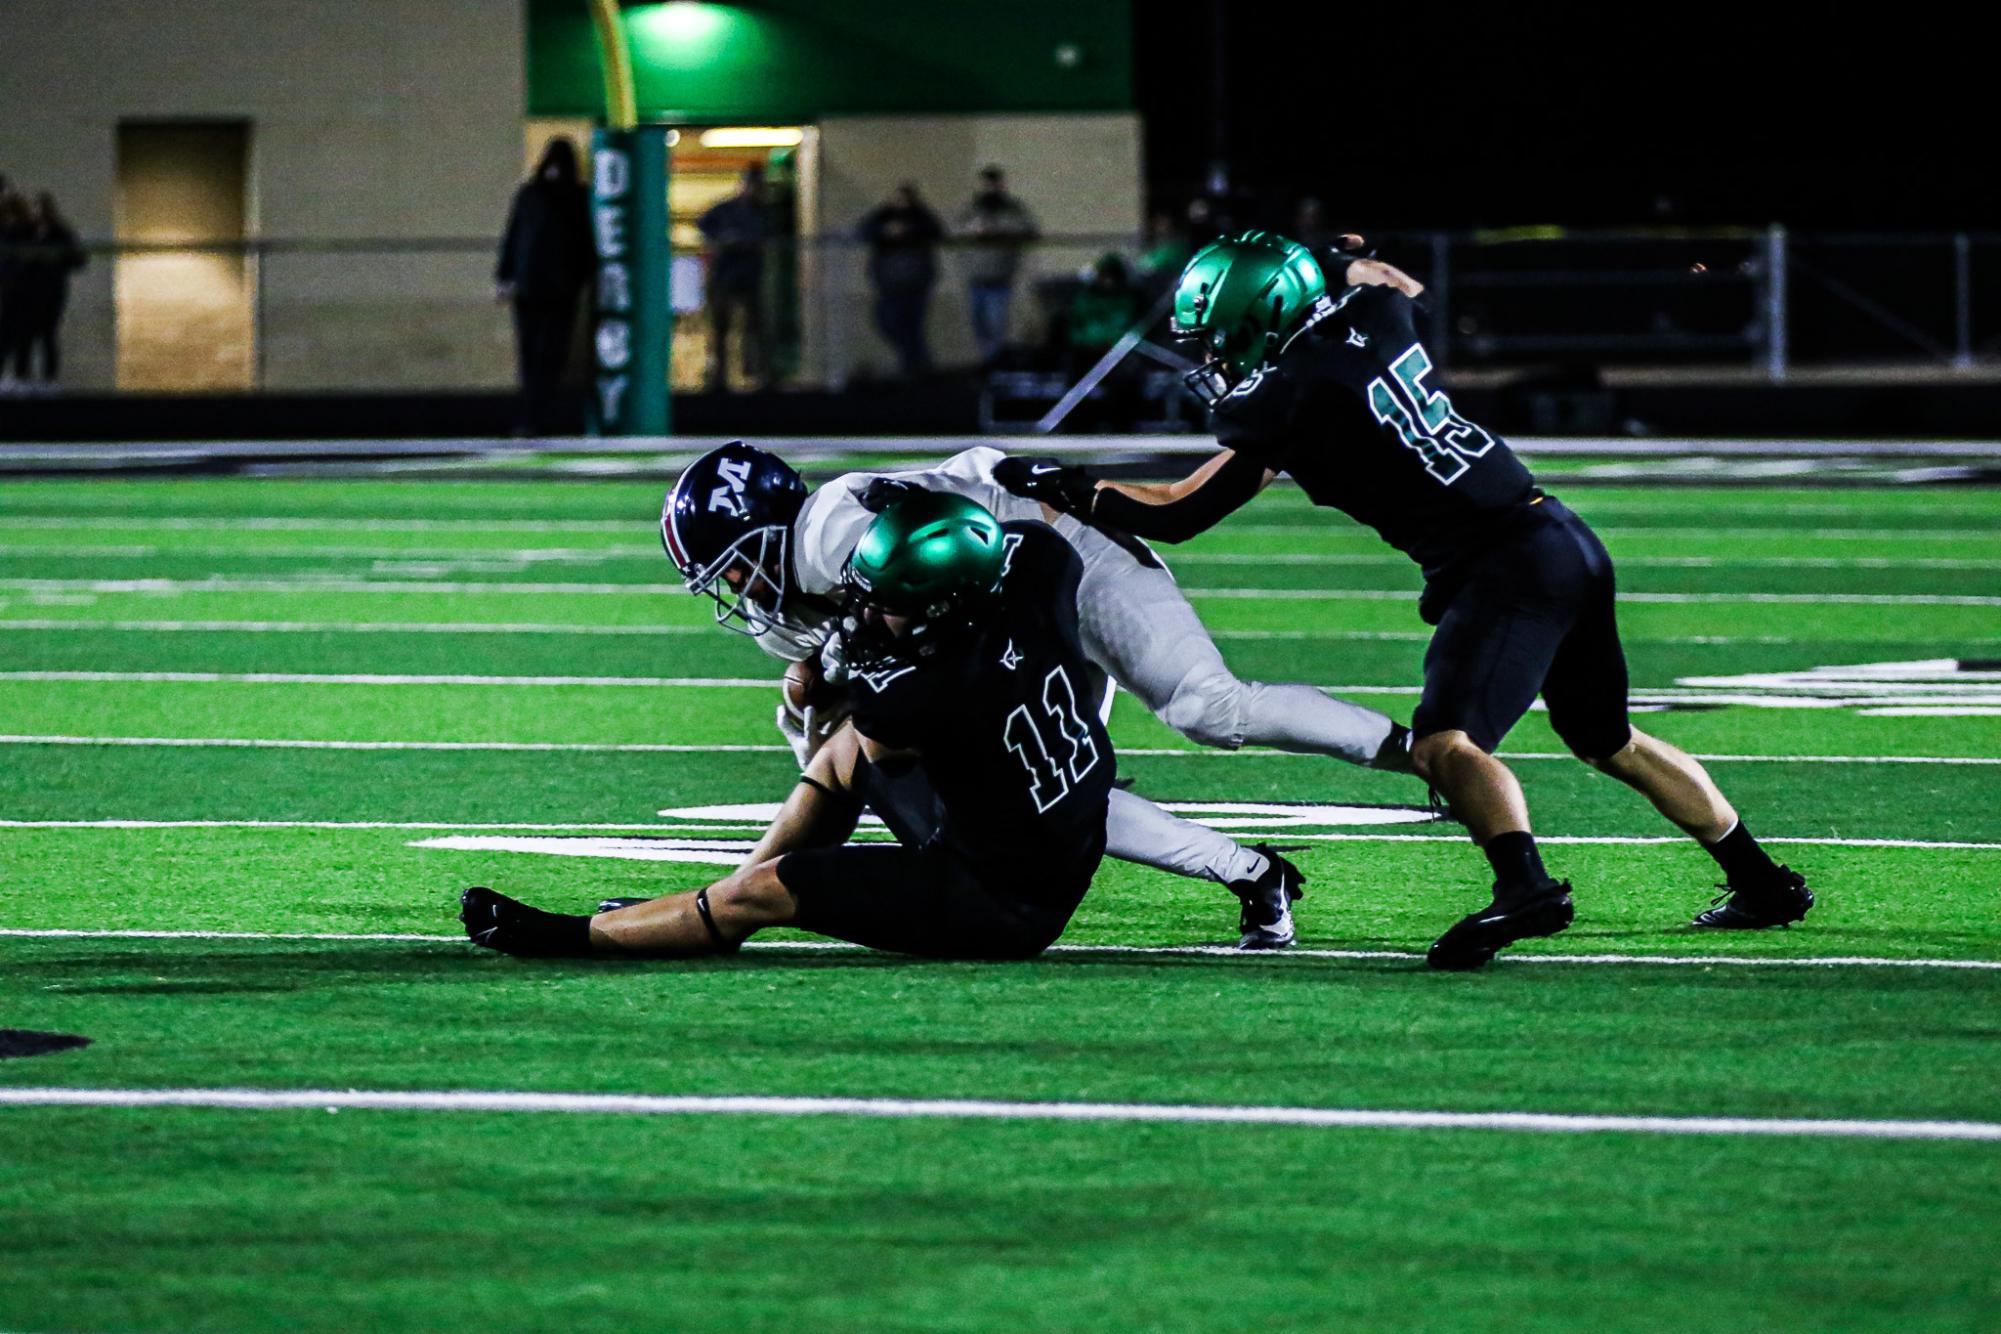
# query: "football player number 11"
1424, 418
1035, 741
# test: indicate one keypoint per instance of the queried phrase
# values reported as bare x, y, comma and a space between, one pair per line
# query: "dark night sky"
1413, 116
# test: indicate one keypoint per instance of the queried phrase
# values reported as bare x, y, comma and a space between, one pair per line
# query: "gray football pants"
1139, 627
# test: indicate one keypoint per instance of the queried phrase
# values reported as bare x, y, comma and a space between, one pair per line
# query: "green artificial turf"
192, 1218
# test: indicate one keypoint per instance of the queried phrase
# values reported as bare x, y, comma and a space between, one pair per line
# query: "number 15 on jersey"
1424, 419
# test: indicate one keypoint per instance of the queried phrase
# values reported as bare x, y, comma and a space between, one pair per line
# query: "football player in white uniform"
742, 530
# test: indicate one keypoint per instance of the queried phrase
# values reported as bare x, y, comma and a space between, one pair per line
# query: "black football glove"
882, 492
1066, 489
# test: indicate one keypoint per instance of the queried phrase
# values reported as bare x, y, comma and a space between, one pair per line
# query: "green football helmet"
930, 556
1241, 298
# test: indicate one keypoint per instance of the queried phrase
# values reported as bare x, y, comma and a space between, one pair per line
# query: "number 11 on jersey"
1028, 737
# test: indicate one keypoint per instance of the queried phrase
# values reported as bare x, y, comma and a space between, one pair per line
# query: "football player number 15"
1424, 419
1035, 741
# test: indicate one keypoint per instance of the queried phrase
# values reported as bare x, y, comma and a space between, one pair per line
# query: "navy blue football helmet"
732, 509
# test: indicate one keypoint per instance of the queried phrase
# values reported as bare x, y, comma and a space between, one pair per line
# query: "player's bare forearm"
1166, 493
821, 810
1375, 273
1177, 511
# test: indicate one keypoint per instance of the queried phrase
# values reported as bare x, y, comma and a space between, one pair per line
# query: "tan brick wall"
369, 118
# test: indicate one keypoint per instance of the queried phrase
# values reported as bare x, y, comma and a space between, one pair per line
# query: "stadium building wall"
1080, 172
367, 119
403, 120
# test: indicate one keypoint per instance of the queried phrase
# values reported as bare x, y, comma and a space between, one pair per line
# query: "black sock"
533, 933
1517, 864
1394, 754
1743, 861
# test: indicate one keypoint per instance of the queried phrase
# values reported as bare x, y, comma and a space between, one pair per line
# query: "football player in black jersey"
967, 737
1333, 389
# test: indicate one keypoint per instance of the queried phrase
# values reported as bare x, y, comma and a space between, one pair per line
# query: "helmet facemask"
750, 606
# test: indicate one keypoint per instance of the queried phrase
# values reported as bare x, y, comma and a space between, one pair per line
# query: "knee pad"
1208, 710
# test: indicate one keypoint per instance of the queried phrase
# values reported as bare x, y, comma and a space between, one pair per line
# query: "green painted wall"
783, 61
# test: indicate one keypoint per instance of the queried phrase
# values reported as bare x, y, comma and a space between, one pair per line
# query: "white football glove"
834, 669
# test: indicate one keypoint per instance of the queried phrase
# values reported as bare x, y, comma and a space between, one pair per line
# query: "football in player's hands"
1070, 490
806, 687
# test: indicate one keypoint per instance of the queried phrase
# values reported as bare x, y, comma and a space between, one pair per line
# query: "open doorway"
707, 166
186, 300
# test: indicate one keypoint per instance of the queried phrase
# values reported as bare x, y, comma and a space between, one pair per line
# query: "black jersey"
1019, 760
1347, 409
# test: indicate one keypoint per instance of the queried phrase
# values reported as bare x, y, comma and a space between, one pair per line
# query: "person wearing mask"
998, 227
737, 230
902, 234
546, 260
13, 265
49, 254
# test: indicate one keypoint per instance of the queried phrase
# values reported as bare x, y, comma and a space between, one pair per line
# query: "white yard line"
1326, 1118
333, 584
527, 556
319, 523
509, 826
275, 743
537, 628
645, 747
1103, 951
1788, 599
396, 679
1398, 560
1310, 522
1829, 692
1312, 526
360, 627
449, 555
1282, 833
452, 588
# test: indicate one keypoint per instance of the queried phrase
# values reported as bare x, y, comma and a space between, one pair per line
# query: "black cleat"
1266, 921
512, 927
1394, 756
613, 905
1779, 904
1478, 937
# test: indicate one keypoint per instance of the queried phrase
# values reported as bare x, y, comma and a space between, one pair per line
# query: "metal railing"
420, 315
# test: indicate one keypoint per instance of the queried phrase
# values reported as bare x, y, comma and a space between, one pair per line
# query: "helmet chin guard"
1209, 382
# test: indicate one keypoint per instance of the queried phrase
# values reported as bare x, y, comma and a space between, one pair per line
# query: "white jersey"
832, 521
1135, 622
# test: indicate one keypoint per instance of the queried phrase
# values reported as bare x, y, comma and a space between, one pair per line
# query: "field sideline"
255, 735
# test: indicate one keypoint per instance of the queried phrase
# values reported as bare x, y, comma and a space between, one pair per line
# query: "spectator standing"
902, 234
547, 258
738, 229
50, 254
13, 265
999, 227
